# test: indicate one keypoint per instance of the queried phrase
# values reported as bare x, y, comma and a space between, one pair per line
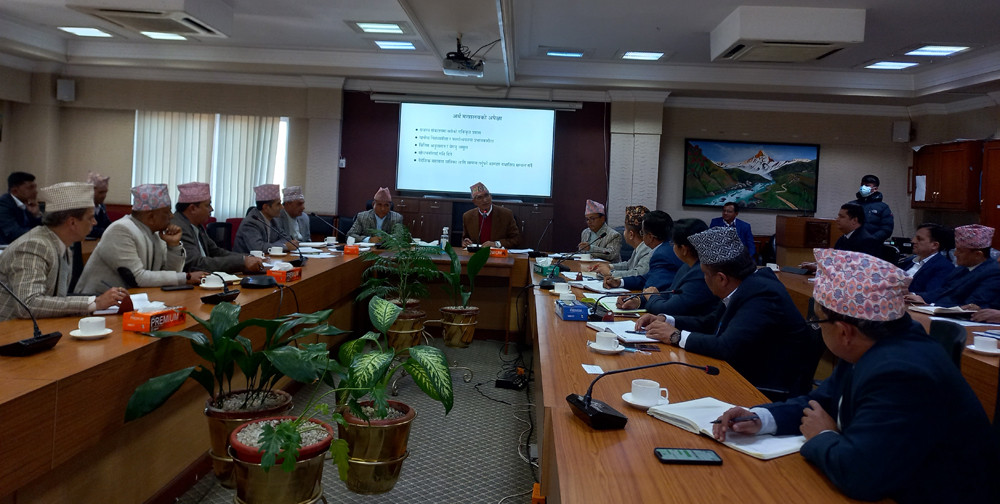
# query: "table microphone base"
30, 346
597, 414
549, 282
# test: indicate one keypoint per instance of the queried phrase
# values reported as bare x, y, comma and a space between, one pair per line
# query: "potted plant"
224, 351
372, 431
397, 274
459, 319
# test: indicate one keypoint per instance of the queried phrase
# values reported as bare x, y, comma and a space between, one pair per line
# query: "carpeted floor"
475, 454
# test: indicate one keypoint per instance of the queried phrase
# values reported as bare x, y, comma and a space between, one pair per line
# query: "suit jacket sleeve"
363, 225
28, 274
10, 225
216, 258
746, 236
663, 266
511, 237
120, 248
694, 297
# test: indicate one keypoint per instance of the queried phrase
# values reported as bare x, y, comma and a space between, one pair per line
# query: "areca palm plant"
400, 273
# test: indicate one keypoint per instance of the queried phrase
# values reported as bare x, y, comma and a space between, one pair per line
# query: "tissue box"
286, 276
153, 321
551, 270
352, 250
572, 310
498, 252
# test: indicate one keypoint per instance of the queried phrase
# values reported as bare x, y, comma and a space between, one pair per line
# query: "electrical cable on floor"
512, 496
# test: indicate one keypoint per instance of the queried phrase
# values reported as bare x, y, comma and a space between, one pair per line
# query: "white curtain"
172, 148
232, 153
245, 157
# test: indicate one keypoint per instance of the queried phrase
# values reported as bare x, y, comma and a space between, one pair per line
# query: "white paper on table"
920, 188
350, 240
321, 255
592, 369
309, 250
965, 323
520, 251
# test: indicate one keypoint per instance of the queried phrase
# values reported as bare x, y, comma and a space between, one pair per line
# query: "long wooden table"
981, 371
581, 465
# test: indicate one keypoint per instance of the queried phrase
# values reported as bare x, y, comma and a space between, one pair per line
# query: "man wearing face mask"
878, 217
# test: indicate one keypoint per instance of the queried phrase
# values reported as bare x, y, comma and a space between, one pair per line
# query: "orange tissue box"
498, 252
286, 276
153, 321
352, 250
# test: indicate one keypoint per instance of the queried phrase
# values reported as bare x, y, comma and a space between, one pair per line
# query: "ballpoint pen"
748, 418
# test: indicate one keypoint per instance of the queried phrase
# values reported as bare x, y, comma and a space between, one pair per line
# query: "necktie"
65, 269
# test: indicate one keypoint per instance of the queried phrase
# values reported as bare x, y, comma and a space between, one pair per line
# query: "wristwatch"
675, 337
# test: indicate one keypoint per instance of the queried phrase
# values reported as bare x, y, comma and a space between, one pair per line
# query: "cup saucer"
210, 287
98, 335
277, 255
606, 351
627, 397
984, 352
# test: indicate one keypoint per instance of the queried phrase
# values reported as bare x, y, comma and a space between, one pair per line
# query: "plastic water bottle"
444, 237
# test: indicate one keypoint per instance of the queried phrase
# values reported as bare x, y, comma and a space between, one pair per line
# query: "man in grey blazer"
37, 265
142, 249
258, 230
194, 206
379, 217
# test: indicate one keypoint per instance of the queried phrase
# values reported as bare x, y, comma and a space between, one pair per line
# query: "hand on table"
194, 277
466, 242
627, 302
291, 245
611, 282
603, 269
811, 266
583, 246
111, 297
987, 315
253, 264
913, 298
815, 420
726, 424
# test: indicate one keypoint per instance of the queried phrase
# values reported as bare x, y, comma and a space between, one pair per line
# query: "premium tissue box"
572, 310
286, 275
153, 321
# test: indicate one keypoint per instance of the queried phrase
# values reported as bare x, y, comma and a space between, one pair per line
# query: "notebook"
697, 415
942, 310
621, 328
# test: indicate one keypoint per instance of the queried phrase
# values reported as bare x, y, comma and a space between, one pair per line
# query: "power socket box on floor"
513, 379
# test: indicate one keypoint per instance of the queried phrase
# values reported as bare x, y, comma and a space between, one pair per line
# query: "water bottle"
444, 237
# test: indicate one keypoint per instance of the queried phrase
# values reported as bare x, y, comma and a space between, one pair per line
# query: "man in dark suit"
194, 207
100, 183
929, 266
19, 211
896, 420
851, 221
756, 329
488, 225
729, 212
976, 279
657, 227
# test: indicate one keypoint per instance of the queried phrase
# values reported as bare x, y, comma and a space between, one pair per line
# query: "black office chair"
626, 248
889, 254
807, 367
952, 338
221, 233
344, 224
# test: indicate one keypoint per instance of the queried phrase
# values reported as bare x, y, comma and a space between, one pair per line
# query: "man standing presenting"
139, 250
380, 217
488, 225
37, 265
729, 212
19, 211
257, 231
194, 207
292, 220
896, 420
100, 184
599, 239
878, 220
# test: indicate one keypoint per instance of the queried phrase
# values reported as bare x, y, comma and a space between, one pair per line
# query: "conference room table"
582, 465
982, 372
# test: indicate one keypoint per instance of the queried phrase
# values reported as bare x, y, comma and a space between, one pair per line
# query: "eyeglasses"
815, 322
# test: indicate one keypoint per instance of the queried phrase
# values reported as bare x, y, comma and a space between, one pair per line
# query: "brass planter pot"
301, 486
376, 450
406, 330
221, 423
458, 325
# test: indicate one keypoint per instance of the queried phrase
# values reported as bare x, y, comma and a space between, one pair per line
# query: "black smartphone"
695, 456
176, 287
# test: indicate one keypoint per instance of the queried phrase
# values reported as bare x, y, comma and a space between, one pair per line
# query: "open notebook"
696, 416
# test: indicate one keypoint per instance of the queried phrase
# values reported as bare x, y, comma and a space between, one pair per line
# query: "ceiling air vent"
201, 18
785, 34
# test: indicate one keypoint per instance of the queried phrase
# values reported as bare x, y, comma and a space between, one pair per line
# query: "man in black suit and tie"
19, 211
851, 221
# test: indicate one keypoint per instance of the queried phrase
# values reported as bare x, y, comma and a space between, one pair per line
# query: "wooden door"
990, 214
435, 215
925, 164
957, 181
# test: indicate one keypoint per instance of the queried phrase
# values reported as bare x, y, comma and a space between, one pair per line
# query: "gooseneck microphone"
331, 226
598, 414
301, 260
34, 344
553, 278
536, 252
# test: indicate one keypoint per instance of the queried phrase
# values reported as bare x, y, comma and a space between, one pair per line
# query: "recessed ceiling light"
85, 32
380, 27
890, 65
394, 45
937, 50
564, 54
163, 36
642, 56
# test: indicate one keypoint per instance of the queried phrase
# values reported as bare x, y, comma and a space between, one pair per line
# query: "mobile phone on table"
176, 287
694, 456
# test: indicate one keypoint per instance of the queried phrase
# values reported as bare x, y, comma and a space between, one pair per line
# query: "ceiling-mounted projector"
462, 67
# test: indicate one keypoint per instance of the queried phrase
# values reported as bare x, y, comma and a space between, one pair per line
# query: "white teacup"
774, 266
606, 340
567, 296
211, 282
585, 257
276, 250
648, 392
91, 325
330, 240
257, 253
562, 287
985, 343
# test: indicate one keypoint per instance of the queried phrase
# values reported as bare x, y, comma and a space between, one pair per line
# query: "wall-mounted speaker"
65, 90
901, 131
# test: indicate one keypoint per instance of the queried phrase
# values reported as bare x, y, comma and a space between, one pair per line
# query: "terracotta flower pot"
459, 325
222, 422
376, 449
406, 330
254, 485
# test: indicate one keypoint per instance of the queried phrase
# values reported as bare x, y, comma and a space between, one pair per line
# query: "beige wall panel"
100, 141
15, 85
623, 116
976, 124
645, 171
323, 175
620, 183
